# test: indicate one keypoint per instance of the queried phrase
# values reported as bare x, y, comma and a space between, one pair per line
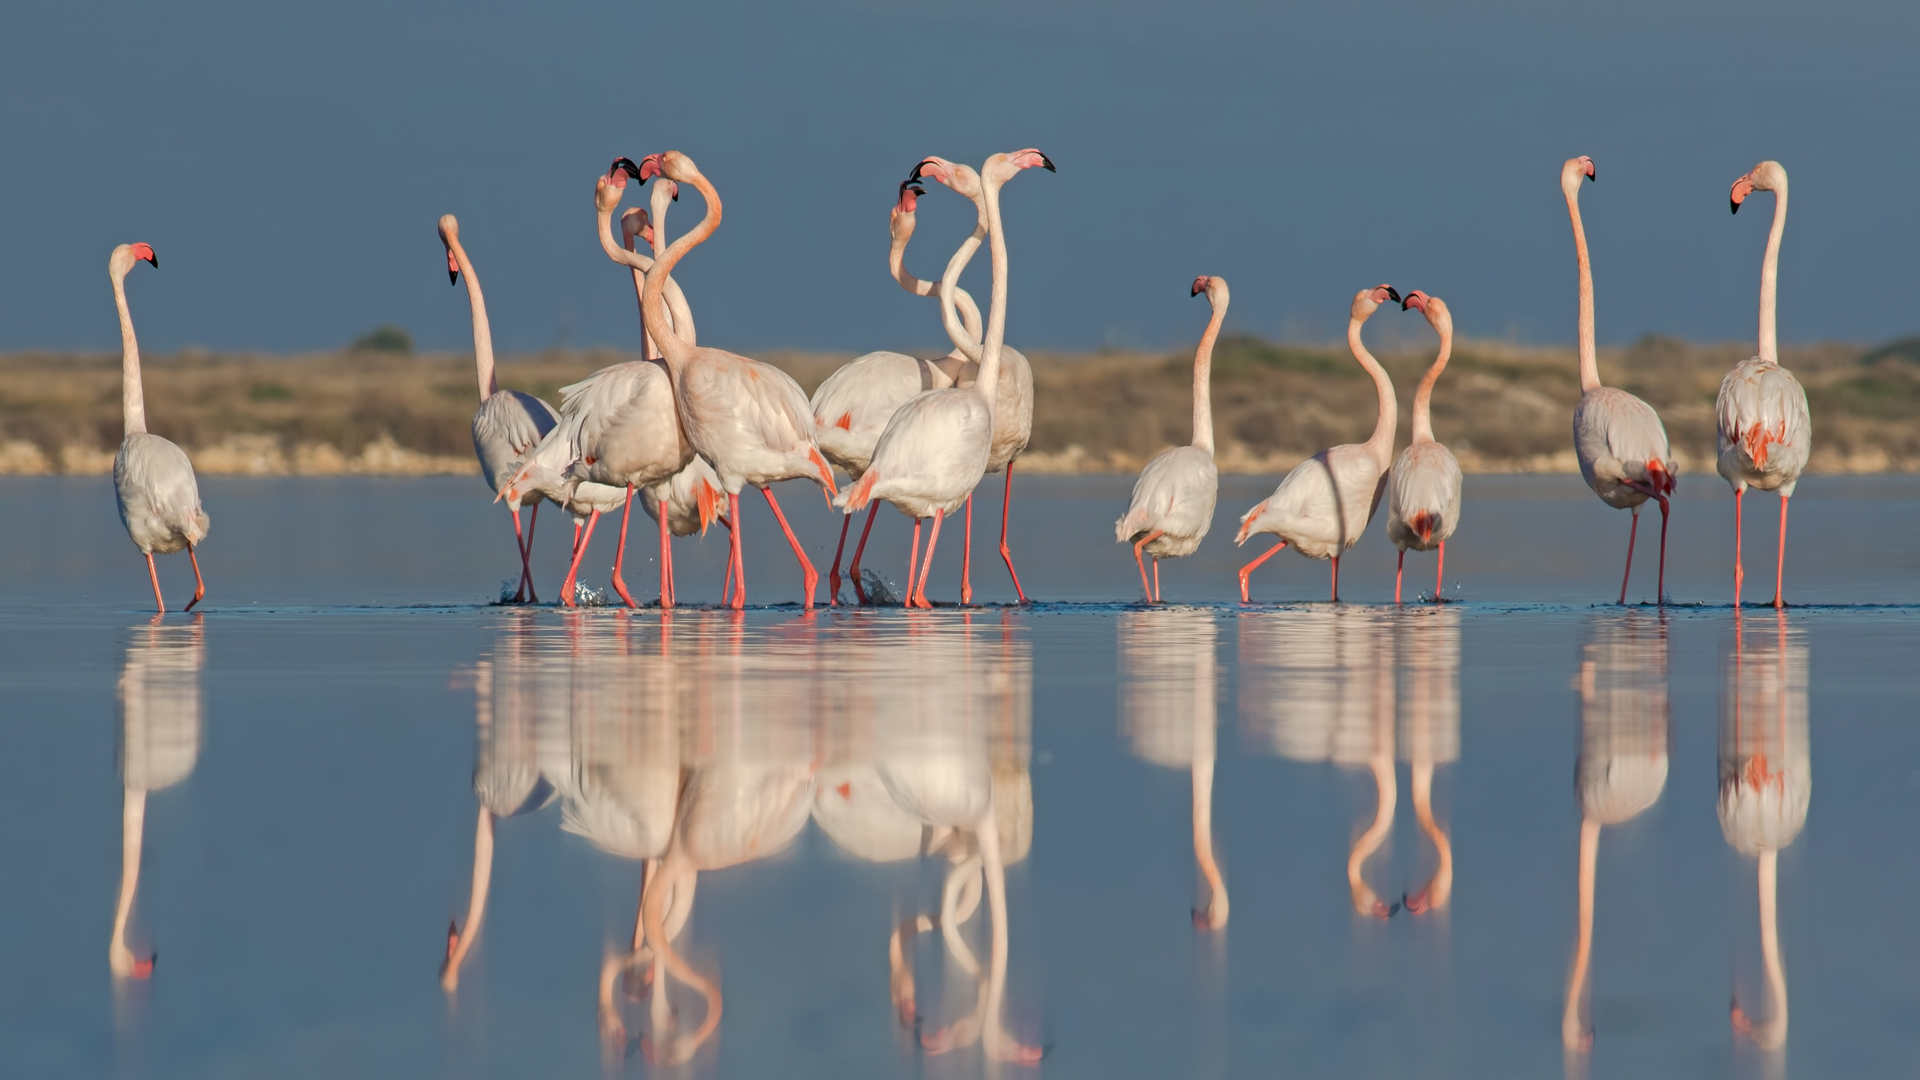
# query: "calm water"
1197, 841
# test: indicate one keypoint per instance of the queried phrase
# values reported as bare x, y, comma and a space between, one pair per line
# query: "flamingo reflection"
161, 722
1623, 763
1168, 695
1766, 783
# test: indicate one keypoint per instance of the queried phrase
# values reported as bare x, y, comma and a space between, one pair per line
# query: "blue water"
312, 755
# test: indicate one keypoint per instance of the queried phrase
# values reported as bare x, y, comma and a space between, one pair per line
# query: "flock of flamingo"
688, 423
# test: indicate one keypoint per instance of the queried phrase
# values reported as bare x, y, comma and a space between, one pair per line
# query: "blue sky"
289, 163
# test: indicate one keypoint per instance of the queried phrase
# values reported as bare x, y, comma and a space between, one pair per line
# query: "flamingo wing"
1175, 495
505, 428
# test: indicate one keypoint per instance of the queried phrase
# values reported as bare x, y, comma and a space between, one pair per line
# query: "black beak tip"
1405, 304
1735, 205
154, 260
915, 174
453, 277
1047, 164
1593, 177
1392, 294
626, 165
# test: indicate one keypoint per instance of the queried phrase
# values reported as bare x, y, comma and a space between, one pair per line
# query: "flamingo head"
900, 220
673, 165
1002, 167
1575, 170
607, 191
1367, 301
1199, 285
636, 223
1214, 286
124, 256
960, 178
910, 193
1766, 176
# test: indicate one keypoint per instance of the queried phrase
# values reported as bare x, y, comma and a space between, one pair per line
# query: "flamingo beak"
145, 252
1200, 285
453, 269
624, 165
649, 168
1392, 294
1593, 174
1742, 188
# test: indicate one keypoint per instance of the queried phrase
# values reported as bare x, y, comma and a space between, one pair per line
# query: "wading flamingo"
1423, 490
152, 478
1765, 430
936, 447
1172, 506
509, 424
748, 419
544, 472
161, 722
1324, 505
1619, 439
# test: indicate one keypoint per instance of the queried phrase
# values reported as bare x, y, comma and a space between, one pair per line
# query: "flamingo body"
1765, 431
1621, 443
158, 495
682, 495
1323, 506
1174, 497
852, 407
626, 431
931, 456
1423, 497
506, 427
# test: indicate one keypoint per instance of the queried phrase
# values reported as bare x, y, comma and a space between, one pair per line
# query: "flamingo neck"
636, 264
1380, 444
1770, 277
1589, 352
482, 331
989, 378
1572, 1031
958, 313
1423, 394
133, 400
476, 899
1203, 381
653, 305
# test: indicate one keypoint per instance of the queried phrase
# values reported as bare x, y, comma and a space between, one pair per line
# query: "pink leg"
1247, 570
966, 557
666, 561
579, 552
526, 570
1399, 570
620, 553
154, 576
1440, 573
1006, 512
1336, 579
1739, 531
1631, 533
200, 587
913, 563
833, 573
1662, 580
520, 542
853, 569
1156, 580
739, 568
807, 572
1141, 563
926, 564
1779, 567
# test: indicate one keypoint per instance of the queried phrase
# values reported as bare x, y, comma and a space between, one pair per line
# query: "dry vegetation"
1501, 407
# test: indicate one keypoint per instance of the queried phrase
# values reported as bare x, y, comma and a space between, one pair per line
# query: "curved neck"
653, 307
1589, 354
482, 332
989, 377
1381, 442
1770, 278
963, 337
679, 315
1423, 394
476, 901
133, 400
1203, 381
969, 312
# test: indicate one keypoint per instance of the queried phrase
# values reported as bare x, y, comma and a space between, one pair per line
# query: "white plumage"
1423, 489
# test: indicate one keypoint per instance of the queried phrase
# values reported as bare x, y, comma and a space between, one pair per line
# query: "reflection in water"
1322, 685
1167, 713
1766, 781
1623, 762
161, 717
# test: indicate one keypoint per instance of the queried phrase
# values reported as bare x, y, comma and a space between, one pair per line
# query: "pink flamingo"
509, 424
153, 480
1172, 506
1324, 505
1423, 490
1765, 431
1619, 439
748, 419
935, 449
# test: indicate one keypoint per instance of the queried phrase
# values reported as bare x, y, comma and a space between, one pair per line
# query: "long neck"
680, 316
989, 378
133, 400
476, 901
1381, 442
1770, 278
969, 311
653, 305
1589, 354
1572, 1031
482, 332
1203, 381
1423, 394
958, 313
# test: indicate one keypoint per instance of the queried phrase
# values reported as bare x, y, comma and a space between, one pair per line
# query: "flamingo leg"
1336, 579
200, 587
1006, 513
520, 542
833, 572
666, 559
853, 568
1739, 531
926, 564
1137, 561
153, 575
913, 563
1399, 570
966, 557
1247, 570
620, 553
808, 573
1440, 572
1156, 580
526, 570
1780, 562
1631, 533
579, 552
1662, 581
737, 569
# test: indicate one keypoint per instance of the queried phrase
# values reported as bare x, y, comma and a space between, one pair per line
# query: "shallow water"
312, 757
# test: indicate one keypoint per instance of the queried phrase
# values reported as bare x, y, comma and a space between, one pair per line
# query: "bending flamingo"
1172, 506
1765, 431
935, 449
1619, 439
1323, 506
509, 423
152, 478
1423, 491
748, 419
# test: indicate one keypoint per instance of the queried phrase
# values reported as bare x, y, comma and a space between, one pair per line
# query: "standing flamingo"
748, 419
1172, 506
508, 423
935, 449
1620, 441
1423, 491
1765, 431
152, 478
1323, 506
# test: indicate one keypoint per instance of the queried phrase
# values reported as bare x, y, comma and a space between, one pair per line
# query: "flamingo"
543, 472
1619, 439
1423, 490
509, 423
1765, 430
1325, 503
1622, 768
1172, 506
936, 447
748, 419
152, 478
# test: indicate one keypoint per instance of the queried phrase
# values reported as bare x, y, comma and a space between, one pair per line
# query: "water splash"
878, 591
